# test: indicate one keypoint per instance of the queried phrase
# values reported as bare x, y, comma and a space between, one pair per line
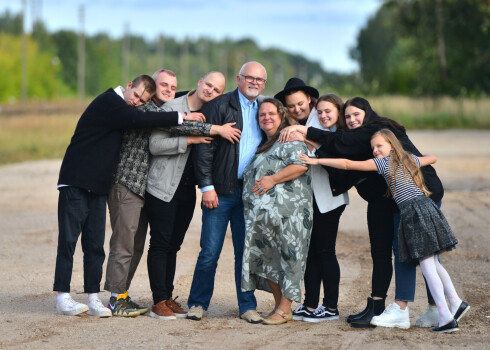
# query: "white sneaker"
70, 307
429, 319
96, 308
393, 316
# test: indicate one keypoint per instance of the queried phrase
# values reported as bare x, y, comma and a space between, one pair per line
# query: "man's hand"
210, 199
194, 140
196, 116
227, 131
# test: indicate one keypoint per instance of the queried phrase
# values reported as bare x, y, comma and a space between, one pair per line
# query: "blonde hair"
401, 159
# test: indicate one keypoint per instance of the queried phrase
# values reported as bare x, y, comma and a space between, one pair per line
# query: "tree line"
408, 47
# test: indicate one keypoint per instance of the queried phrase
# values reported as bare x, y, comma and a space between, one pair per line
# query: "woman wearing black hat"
299, 99
362, 123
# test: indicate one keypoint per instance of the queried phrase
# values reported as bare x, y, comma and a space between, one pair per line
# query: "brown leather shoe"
162, 311
176, 308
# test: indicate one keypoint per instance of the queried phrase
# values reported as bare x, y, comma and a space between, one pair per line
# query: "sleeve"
203, 156
290, 152
381, 164
417, 160
164, 144
355, 144
191, 128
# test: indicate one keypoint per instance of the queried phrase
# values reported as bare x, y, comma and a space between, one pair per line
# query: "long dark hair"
286, 120
371, 116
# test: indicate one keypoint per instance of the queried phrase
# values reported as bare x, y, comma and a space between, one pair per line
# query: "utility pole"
161, 51
81, 54
184, 62
126, 54
23, 87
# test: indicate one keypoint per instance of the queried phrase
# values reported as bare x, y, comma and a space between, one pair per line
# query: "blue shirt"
251, 135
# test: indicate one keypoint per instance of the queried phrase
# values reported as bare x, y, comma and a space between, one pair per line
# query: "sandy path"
28, 235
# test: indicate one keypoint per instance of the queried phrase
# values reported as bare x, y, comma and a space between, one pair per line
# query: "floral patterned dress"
278, 224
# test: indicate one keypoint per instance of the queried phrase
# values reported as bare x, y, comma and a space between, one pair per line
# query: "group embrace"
275, 170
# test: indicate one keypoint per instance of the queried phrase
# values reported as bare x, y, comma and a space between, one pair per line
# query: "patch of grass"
31, 137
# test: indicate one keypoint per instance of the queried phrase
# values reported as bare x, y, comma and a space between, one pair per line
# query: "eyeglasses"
250, 79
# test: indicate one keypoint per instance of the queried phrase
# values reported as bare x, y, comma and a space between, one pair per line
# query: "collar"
244, 102
119, 90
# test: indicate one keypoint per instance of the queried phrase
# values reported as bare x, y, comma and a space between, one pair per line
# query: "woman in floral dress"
277, 198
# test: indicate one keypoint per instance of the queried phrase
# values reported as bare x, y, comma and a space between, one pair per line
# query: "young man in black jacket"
84, 181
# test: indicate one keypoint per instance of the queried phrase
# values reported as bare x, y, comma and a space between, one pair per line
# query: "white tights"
440, 285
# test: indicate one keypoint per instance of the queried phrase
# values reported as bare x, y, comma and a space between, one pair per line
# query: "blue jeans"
405, 274
214, 225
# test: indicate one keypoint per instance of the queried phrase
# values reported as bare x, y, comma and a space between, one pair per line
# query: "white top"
320, 182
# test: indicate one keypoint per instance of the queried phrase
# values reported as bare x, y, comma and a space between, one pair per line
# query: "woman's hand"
263, 185
297, 136
307, 160
287, 131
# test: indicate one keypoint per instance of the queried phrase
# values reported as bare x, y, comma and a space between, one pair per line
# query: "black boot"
360, 314
378, 306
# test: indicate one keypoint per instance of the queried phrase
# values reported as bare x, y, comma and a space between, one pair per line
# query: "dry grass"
29, 137
435, 113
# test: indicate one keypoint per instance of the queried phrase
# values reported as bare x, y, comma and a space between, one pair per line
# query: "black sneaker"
322, 314
120, 307
132, 304
447, 328
300, 312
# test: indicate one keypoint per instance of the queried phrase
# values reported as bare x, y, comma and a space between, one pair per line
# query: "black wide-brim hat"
295, 84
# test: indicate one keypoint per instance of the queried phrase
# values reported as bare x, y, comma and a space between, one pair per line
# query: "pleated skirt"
424, 231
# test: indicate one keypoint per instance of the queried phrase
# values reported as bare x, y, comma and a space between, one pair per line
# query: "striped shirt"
405, 188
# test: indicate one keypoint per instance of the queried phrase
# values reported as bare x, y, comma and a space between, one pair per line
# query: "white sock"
92, 296
62, 296
114, 295
449, 290
429, 270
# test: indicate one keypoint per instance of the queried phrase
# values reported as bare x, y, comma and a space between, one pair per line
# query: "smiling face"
354, 117
381, 147
328, 114
247, 81
298, 105
269, 118
166, 87
210, 87
136, 95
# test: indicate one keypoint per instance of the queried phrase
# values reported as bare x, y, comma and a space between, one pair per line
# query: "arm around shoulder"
427, 160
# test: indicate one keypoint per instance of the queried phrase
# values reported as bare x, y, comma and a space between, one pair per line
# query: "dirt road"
28, 236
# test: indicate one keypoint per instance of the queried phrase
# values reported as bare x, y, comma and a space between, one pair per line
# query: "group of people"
271, 168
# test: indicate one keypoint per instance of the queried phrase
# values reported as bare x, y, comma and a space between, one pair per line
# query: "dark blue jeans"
80, 211
214, 225
405, 274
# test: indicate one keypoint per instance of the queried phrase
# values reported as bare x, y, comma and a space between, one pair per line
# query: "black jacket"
356, 144
92, 154
217, 163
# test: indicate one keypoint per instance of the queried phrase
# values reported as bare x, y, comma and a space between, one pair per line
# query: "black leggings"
380, 225
322, 264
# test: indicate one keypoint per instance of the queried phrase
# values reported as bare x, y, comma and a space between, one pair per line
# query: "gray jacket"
169, 154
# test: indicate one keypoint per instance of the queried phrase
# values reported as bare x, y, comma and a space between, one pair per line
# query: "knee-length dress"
278, 224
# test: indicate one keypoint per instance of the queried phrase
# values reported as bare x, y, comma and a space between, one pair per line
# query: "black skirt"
424, 231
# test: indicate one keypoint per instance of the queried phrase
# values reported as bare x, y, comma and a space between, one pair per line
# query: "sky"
321, 30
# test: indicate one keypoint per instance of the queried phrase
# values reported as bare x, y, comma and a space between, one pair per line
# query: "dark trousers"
169, 222
380, 225
322, 263
80, 211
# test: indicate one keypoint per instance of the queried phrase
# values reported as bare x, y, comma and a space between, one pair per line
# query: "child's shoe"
393, 316
447, 328
463, 308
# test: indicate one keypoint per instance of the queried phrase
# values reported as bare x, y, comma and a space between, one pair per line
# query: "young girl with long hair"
424, 231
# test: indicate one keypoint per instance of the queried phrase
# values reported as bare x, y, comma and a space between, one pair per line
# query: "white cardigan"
319, 177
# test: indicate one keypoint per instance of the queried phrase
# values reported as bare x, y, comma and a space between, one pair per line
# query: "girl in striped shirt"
424, 231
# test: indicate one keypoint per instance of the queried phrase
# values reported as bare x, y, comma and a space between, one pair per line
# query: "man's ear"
129, 85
